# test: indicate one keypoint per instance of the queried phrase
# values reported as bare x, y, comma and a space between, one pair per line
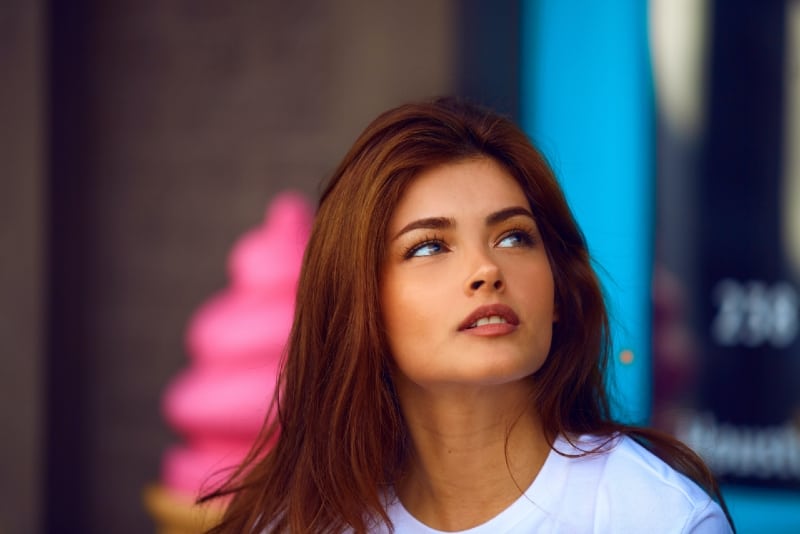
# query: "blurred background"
140, 140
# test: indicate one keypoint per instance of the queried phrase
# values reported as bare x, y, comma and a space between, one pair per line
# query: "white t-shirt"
625, 489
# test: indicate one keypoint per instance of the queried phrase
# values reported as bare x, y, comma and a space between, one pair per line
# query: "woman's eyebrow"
429, 223
506, 213
442, 223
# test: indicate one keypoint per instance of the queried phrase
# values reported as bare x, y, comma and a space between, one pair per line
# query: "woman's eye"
517, 238
428, 248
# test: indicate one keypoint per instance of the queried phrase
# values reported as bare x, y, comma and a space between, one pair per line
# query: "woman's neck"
475, 450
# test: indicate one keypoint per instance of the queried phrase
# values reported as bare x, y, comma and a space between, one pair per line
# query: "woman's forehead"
464, 188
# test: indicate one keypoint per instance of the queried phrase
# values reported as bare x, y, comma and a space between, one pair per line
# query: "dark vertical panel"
746, 298
488, 54
66, 380
740, 235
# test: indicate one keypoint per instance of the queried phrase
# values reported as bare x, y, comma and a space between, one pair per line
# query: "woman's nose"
487, 275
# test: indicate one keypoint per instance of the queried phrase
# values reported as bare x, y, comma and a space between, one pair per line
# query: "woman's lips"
490, 320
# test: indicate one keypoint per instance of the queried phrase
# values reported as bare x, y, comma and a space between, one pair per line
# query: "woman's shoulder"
631, 465
633, 486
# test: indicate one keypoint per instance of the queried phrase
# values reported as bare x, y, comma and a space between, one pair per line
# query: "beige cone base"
175, 514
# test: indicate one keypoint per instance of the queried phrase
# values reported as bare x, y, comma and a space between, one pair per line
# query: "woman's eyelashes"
428, 246
433, 245
517, 237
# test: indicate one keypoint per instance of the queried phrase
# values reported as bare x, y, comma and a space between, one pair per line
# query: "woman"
446, 368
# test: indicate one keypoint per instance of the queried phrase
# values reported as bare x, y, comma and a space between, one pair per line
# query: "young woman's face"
467, 294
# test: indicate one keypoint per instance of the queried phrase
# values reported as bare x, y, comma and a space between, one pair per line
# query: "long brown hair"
337, 440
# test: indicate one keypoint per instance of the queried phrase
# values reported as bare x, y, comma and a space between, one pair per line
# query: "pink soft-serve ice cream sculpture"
235, 341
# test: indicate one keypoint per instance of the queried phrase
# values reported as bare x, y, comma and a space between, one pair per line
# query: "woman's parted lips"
500, 310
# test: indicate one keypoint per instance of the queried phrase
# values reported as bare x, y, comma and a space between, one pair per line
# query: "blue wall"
587, 103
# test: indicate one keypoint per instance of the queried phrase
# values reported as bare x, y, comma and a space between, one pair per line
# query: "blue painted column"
587, 102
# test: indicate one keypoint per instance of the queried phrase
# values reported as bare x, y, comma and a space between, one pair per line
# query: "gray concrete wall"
22, 256
176, 122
